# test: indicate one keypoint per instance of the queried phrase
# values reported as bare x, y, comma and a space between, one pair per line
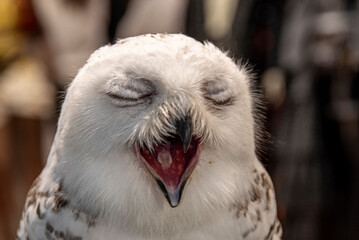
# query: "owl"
156, 140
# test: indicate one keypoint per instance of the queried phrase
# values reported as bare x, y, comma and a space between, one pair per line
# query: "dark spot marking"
240, 208
268, 188
59, 234
271, 230
59, 204
245, 234
270, 233
38, 212
31, 196
279, 227
265, 182
49, 227
59, 199
255, 194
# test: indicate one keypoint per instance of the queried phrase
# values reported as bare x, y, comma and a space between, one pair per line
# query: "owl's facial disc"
172, 162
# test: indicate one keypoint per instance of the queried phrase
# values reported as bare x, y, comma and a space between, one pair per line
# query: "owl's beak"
173, 196
172, 162
184, 130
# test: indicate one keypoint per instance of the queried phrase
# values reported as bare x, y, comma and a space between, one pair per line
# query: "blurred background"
305, 54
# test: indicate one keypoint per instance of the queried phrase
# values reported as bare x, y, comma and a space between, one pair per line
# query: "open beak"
172, 163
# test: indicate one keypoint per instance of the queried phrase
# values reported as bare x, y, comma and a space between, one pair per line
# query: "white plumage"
155, 141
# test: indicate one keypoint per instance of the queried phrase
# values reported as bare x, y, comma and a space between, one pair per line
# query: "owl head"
154, 122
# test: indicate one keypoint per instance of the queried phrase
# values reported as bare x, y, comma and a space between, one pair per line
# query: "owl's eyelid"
132, 90
218, 93
130, 99
225, 102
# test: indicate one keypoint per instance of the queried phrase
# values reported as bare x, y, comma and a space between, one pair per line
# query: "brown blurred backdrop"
305, 54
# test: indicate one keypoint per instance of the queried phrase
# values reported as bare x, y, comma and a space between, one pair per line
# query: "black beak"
173, 197
184, 130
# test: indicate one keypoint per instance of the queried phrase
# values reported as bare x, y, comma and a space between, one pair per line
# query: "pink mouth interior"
169, 163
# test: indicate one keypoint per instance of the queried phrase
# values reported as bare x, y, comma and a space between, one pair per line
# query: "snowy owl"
156, 140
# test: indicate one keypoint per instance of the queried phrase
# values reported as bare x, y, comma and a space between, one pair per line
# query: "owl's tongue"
171, 166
